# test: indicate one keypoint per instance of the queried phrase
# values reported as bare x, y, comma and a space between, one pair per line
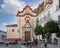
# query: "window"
49, 14
17, 30
44, 17
12, 30
37, 20
59, 18
57, 7
3, 37
59, 3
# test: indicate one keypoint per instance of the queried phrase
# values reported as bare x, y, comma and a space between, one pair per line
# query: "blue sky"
9, 8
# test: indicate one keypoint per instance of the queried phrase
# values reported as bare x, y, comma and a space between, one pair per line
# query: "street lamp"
19, 37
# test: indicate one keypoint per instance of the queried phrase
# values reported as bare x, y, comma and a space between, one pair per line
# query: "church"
28, 18
24, 29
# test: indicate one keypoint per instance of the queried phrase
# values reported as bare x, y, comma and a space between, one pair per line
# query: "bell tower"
47, 3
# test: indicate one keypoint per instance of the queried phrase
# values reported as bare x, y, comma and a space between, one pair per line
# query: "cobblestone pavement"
38, 46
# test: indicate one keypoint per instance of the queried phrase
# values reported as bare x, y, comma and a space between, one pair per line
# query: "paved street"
38, 46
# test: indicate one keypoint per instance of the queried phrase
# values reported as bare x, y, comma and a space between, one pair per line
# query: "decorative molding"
27, 7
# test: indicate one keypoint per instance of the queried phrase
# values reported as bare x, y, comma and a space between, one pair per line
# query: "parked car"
55, 41
42, 41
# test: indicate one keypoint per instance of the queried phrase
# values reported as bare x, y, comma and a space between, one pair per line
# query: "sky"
9, 8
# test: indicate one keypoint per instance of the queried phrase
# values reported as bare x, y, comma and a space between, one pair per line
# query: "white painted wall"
54, 11
2, 36
11, 34
53, 35
39, 37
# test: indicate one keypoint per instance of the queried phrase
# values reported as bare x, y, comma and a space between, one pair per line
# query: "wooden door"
27, 36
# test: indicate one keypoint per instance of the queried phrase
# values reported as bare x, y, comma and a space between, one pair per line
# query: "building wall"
50, 13
11, 34
21, 22
2, 36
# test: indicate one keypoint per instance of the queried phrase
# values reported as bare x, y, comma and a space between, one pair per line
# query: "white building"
2, 36
49, 10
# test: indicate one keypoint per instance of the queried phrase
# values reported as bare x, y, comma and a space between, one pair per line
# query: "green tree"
51, 26
38, 30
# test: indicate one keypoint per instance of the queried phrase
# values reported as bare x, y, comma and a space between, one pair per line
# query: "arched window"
17, 30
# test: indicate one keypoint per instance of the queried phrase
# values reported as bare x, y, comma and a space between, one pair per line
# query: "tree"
38, 30
51, 26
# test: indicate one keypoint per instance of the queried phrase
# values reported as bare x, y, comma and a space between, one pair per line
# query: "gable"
27, 11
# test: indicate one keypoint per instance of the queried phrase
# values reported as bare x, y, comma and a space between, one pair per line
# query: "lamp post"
19, 38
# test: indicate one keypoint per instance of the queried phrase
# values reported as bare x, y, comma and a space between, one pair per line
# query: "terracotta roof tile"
14, 25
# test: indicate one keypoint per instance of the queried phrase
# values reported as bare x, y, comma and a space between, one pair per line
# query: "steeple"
27, 10
47, 3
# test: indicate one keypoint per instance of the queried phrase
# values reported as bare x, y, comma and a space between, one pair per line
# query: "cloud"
4, 24
35, 5
12, 6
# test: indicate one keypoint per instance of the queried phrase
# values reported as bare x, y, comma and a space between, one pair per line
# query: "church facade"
24, 29
27, 19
